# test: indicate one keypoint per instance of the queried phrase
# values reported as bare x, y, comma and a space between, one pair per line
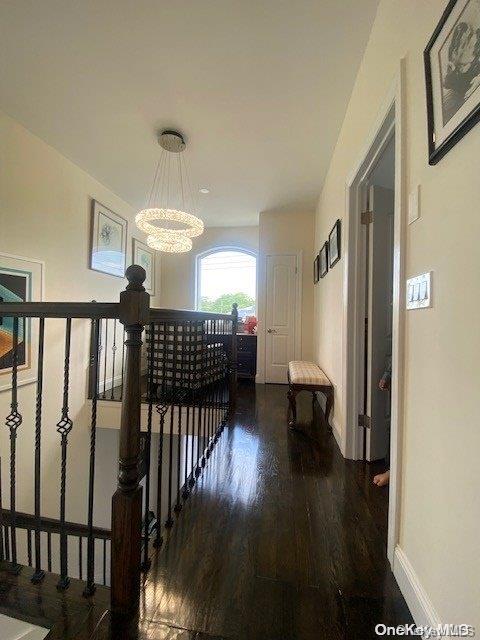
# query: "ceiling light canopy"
170, 201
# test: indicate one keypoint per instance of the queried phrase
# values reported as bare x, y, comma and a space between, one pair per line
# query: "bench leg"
292, 408
329, 407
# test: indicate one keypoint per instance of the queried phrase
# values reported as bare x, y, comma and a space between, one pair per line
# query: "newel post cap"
135, 301
136, 276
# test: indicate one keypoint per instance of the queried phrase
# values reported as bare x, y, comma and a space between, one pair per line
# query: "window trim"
203, 254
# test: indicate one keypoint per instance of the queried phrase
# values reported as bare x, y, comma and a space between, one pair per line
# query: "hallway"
281, 539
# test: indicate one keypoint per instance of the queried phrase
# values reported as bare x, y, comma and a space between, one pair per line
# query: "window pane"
226, 277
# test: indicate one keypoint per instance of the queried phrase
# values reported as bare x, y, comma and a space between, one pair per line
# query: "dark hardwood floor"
282, 539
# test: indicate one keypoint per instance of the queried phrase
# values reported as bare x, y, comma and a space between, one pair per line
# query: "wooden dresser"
247, 355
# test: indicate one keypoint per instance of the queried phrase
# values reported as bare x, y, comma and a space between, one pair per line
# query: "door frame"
390, 119
262, 325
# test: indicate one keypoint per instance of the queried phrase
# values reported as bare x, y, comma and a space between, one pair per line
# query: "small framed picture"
145, 257
324, 260
334, 244
108, 252
452, 76
316, 269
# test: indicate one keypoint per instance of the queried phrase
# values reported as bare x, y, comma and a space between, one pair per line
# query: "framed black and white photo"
324, 260
452, 74
334, 244
145, 257
316, 269
108, 252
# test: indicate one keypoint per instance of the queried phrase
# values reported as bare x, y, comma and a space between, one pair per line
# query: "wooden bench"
307, 376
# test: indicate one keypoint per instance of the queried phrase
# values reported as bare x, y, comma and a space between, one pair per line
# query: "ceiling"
258, 87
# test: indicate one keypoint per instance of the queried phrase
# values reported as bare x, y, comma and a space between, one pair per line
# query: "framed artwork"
145, 257
21, 280
452, 75
334, 244
108, 252
316, 269
324, 260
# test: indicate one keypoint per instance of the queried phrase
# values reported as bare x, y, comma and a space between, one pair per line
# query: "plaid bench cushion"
300, 372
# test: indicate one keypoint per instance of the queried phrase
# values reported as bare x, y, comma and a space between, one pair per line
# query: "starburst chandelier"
167, 219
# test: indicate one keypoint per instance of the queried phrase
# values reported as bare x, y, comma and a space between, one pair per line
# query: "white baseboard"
420, 605
336, 435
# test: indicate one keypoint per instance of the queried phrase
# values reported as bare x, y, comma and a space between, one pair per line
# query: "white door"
379, 337
280, 316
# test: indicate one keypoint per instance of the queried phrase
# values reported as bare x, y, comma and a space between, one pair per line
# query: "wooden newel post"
127, 500
233, 363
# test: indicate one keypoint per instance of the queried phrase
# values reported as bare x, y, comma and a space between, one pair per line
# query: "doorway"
354, 403
377, 241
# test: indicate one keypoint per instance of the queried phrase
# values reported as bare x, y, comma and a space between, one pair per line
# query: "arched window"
224, 276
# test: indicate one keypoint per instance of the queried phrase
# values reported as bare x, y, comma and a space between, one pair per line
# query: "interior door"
379, 330
281, 306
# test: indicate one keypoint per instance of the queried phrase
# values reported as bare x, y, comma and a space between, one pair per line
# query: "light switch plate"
419, 291
414, 205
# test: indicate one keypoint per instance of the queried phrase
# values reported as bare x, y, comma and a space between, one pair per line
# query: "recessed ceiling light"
204, 190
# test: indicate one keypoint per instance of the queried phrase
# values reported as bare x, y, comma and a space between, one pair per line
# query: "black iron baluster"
195, 376
202, 401
104, 561
188, 391
161, 408
7, 544
39, 573
148, 447
80, 558
123, 364
114, 352
14, 420
105, 361
181, 397
64, 426
90, 586
49, 552
29, 547
210, 394
169, 521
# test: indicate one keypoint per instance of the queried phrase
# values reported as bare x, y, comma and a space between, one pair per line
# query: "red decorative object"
250, 324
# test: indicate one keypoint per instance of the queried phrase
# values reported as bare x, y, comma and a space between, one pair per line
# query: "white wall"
45, 204
440, 510
281, 232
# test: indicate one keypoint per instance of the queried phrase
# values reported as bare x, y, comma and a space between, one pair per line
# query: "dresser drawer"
246, 356
247, 343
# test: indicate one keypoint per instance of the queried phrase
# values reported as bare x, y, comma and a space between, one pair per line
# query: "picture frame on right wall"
334, 244
316, 269
452, 76
323, 260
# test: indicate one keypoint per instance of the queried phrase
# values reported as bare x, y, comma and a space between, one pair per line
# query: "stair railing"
190, 369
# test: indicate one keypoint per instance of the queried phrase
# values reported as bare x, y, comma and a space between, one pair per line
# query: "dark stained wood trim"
60, 309
51, 525
185, 314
